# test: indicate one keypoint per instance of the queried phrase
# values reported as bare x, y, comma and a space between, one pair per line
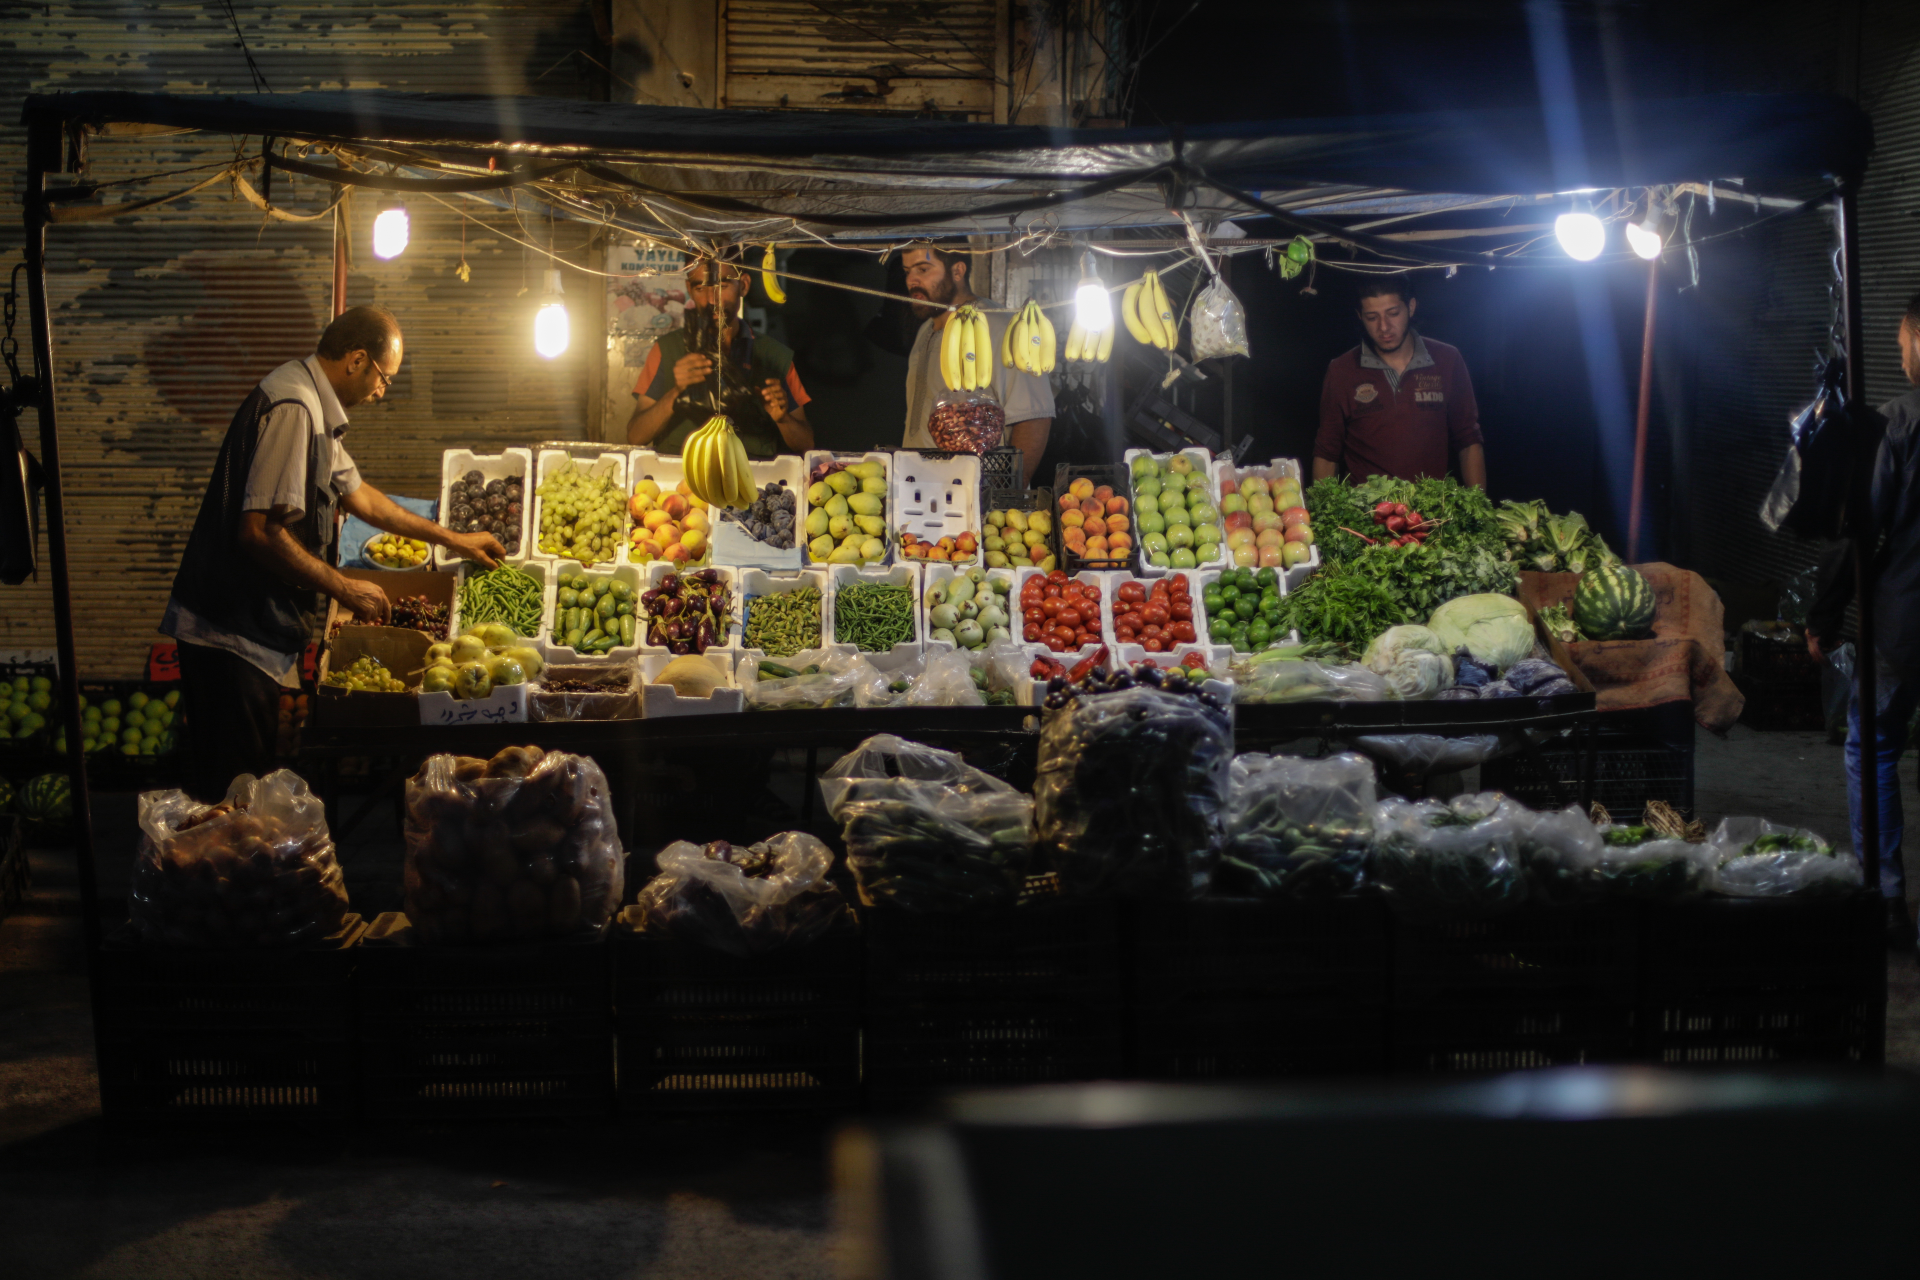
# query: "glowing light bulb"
1092, 304
551, 330
1581, 234
1643, 242
390, 233
1648, 236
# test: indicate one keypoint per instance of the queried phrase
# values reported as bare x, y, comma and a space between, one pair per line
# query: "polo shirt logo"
1365, 392
1429, 397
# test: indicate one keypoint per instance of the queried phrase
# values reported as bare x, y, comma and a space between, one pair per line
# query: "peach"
937, 553
1096, 548
698, 520
1081, 488
655, 518
650, 549
1104, 492
1089, 507
639, 505
676, 552
1069, 501
1072, 519
1118, 542
675, 505
947, 544
1118, 524
1095, 526
684, 489
1116, 506
693, 541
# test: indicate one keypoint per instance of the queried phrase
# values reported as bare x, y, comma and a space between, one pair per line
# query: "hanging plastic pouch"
1219, 325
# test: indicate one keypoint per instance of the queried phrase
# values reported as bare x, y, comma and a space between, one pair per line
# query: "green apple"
1183, 558
1158, 559
1200, 513
1179, 535
1146, 503
1155, 541
1147, 487
1233, 502
1206, 535
1174, 482
1152, 522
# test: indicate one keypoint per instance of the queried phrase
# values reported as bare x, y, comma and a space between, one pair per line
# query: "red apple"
1267, 520
1242, 537
1273, 557
1300, 533
1236, 520
1294, 515
1269, 538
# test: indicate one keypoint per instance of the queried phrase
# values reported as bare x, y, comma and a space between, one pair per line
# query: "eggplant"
670, 584
672, 607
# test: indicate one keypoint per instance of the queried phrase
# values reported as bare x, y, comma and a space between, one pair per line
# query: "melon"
1613, 602
48, 799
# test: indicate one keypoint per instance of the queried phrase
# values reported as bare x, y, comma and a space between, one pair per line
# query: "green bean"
873, 616
501, 595
782, 624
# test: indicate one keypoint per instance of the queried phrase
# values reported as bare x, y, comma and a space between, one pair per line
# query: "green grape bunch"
366, 675
582, 514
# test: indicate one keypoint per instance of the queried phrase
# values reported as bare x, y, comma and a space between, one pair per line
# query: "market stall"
1122, 633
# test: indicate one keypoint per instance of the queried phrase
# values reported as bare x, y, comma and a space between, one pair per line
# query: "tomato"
1155, 644
1090, 594
1157, 613
1065, 633
1125, 635
1051, 608
1135, 619
1068, 617
1051, 592
1054, 643
1057, 576
1130, 591
1031, 633
1183, 632
1153, 629
1181, 611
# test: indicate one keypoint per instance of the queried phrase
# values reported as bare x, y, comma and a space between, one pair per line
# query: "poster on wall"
646, 298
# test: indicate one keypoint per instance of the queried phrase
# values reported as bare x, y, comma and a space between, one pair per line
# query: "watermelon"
48, 799
1613, 602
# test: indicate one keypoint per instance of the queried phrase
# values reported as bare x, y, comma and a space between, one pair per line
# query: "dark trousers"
233, 708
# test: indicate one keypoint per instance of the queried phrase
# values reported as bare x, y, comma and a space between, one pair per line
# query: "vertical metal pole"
1226, 378
340, 229
45, 137
1640, 424
1860, 517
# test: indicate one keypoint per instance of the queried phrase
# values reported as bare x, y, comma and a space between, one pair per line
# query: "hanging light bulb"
1581, 234
1092, 304
551, 332
390, 232
1648, 236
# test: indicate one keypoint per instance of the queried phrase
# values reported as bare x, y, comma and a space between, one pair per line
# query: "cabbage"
1413, 660
1493, 628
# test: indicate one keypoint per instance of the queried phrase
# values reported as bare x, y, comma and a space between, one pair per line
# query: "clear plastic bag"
827, 680
925, 831
615, 697
1754, 858
1297, 828
1461, 857
256, 870
1298, 680
967, 421
877, 688
1428, 753
947, 681
744, 901
518, 848
1131, 791
1219, 323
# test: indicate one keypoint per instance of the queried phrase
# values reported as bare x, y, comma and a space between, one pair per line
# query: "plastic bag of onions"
518, 848
256, 870
967, 422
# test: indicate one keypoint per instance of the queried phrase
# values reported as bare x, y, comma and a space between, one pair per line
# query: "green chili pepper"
785, 623
873, 616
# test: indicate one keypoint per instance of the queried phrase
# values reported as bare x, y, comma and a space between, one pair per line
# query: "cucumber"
774, 671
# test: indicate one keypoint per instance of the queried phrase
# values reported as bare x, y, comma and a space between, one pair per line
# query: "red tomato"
1031, 634
1181, 590
1153, 629
1056, 644
1157, 613
1155, 644
1125, 635
1068, 617
1051, 591
1183, 632
1130, 591
1065, 633
1135, 619
1181, 611
1051, 607
1057, 575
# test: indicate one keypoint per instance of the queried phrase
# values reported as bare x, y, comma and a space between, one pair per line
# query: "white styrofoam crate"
607, 460
899, 575
747, 670
553, 651
754, 583
1128, 654
816, 456
658, 701
507, 704
1225, 472
935, 498
665, 470
932, 575
729, 641
731, 543
539, 570
1203, 468
505, 465
1098, 577
1207, 577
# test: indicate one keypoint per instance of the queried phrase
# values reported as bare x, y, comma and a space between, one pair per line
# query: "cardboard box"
439, 588
402, 652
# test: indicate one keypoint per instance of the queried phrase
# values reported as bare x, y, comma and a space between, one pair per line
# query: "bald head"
361, 352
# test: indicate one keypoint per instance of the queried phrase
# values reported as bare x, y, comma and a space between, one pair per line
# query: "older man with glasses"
260, 554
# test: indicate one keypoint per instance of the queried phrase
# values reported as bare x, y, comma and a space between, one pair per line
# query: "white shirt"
277, 481
1023, 396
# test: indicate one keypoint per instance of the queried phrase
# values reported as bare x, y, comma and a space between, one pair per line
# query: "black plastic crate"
1833, 1025
1510, 1035
1228, 1038
1017, 499
243, 1036
1625, 778
1051, 951
1567, 953
1246, 949
483, 1032
1719, 945
1796, 706
1120, 480
16, 873
1777, 663
700, 1030
912, 1055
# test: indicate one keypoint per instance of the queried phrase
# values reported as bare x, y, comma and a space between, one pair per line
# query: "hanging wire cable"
253, 68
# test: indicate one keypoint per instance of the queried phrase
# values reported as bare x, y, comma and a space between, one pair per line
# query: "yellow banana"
1148, 307
1074, 334
1129, 312
950, 352
1169, 325
1006, 342
721, 478
690, 461
983, 343
769, 281
962, 326
1105, 348
1048, 341
745, 490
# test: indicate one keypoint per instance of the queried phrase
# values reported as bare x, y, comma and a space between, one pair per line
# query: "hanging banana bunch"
965, 347
1028, 343
716, 465
769, 281
1085, 345
1148, 314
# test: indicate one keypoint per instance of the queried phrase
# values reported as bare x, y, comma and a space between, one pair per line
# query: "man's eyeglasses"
386, 379
702, 286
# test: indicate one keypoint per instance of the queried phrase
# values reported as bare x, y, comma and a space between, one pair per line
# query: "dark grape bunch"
1168, 680
479, 505
770, 518
421, 614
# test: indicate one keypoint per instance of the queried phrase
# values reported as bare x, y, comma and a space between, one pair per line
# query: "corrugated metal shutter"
164, 320
1890, 197
880, 55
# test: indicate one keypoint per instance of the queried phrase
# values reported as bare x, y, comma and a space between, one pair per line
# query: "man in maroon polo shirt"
1398, 404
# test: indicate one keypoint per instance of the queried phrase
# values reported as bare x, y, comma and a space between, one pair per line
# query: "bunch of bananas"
716, 465
965, 347
769, 281
1028, 342
1148, 314
1082, 345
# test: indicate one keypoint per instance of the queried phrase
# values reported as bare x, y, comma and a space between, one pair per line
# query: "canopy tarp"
848, 174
